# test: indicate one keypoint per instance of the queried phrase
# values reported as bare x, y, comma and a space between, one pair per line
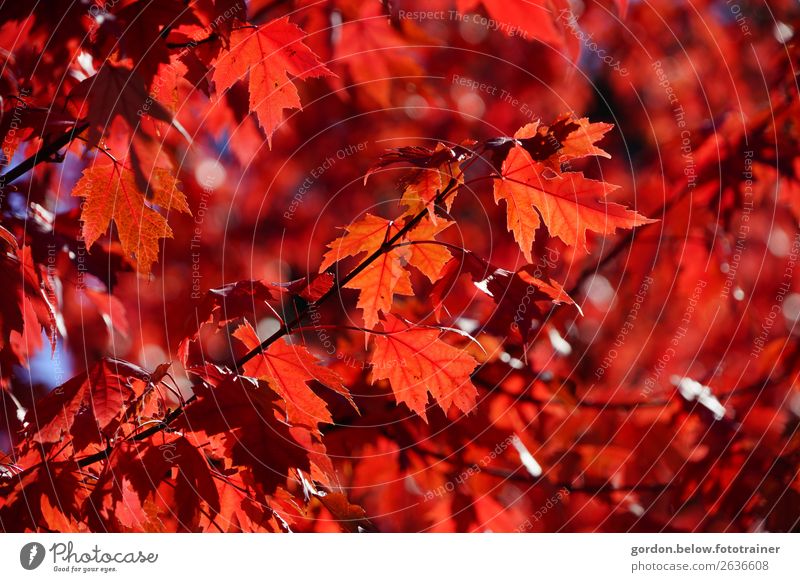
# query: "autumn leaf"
382, 278
47, 496
362, 236
117, 91
566, 139
531, 20
288, 369
418, 157
241, 512
432, 172
274, 55
239, 420
416, 362
101, 395
521, 297
426, 255
142, 476
227, 14
568, 203
373, 54
110, 193
386, 276
580, 142
26, 298
310, 288
144, 27
379, 282
234, 300
426, 184
352, 517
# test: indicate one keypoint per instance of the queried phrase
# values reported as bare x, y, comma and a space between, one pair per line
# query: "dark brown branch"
43, 155
287, 328
139, 436
193, 43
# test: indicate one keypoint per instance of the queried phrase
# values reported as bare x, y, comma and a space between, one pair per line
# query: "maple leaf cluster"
399, 266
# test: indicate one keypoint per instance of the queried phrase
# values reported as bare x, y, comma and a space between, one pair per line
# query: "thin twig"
42, 155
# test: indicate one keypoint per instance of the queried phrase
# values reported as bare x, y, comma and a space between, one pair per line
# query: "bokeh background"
670, 404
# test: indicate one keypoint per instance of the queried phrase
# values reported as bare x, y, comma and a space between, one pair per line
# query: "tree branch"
42, 155
286, 328
139, 436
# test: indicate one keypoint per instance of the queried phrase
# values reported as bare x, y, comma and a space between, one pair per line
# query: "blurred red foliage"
212, 321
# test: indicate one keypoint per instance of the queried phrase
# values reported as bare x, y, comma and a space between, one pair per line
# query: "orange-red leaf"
164, 477
379, 282
416, 362
239, 421
274, 54
362, 236
45, 496
384, 276
104, 393
568, 203
110, 193
427, 183
288, 369
580, 142
428, 257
